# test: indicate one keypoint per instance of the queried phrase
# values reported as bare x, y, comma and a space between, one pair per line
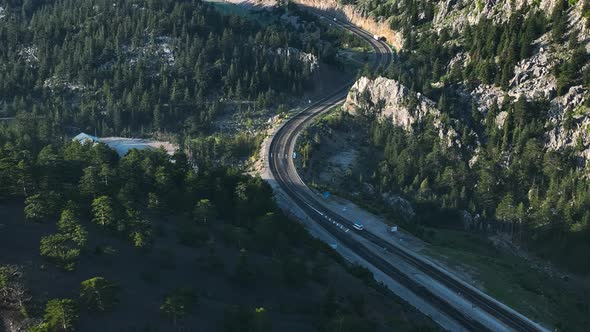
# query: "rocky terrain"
568, 122
534, 77
348, 12
358, 17
390, 100
310, 60
456, 14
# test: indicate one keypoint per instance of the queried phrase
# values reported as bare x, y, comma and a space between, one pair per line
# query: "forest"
216, 227
138, 68
493, 49
539, 197
152, 241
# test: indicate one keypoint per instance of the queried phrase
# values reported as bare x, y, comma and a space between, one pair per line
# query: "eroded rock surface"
392, 101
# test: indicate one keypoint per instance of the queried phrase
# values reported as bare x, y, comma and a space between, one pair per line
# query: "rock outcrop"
307, 58
351, 13
569, 123
456, 14
392, 101
533, 79
401, 206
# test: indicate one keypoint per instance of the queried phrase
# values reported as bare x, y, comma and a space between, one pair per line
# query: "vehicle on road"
358, 226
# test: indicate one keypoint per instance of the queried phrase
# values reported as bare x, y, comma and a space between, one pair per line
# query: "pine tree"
61, 315
99, 293
102, 211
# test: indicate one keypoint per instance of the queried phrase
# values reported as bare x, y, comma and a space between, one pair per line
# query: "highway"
283, 170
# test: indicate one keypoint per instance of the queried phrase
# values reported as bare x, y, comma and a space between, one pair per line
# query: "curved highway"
283, 169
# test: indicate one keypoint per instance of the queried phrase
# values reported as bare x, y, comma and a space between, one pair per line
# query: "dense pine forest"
208, 249
94, 241
137, 67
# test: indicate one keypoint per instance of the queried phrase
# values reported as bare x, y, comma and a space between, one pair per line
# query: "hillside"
475, 139
154, 246
506, 89
481, 124
95, 236
513, 83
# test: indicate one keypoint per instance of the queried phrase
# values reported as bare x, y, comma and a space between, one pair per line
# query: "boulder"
401, 206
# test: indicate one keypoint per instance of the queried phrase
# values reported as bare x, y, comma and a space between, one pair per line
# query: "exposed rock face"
562, 132
345, 12
568, 124
487, 95
402, 206
13, 321
456, 14
394, 102
29, 54
358, 18
307, 58
460, 60
575, 134
532, 79
501, 119
59, 83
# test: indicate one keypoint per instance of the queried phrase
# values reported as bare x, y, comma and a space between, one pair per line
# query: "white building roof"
83, 138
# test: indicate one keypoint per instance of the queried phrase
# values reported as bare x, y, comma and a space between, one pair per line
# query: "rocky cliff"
455, 14
568, 121
354, 14
391, 101
310, 60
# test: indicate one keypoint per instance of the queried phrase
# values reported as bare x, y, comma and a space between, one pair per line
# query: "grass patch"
511, 280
